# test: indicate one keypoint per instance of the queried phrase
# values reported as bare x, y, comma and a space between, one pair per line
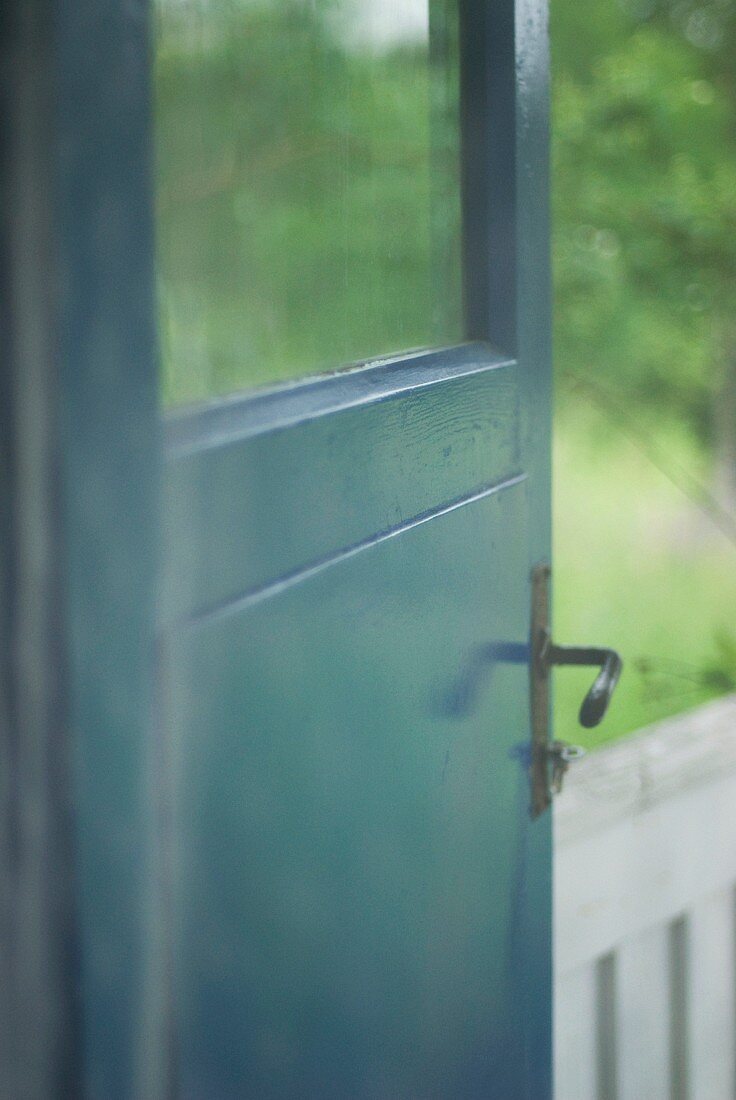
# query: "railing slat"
575, 1028
710, 995
643, 1017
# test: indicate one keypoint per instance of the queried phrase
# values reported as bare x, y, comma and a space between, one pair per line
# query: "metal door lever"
550, 759
596, 702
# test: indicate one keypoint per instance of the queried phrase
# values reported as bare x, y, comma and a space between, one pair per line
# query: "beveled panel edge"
243, 415
305, 572
241, 512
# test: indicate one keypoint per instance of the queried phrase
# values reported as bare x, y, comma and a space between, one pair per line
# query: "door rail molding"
420, 439
255, 595
243, 415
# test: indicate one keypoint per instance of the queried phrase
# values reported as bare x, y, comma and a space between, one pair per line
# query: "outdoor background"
311, 218
644, 245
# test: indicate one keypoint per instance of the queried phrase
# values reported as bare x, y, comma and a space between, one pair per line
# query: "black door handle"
595, 703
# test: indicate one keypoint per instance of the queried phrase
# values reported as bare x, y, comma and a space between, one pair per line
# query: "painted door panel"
259, 488
358, 899
352, 818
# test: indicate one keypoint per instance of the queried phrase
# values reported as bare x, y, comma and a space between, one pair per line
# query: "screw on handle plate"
561, 756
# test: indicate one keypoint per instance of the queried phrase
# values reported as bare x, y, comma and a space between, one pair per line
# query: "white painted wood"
575, 1035
643, 871
680, 1047
645, 874
710, 998
642, 1016
636, 773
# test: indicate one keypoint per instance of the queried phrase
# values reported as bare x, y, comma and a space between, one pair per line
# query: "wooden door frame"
80, 426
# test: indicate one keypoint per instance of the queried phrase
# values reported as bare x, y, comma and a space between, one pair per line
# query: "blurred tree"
332, 176
308, 198
645, 208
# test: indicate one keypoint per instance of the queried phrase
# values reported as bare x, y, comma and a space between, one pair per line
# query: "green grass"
640, 568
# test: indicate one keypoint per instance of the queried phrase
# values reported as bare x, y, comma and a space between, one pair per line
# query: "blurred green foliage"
640, 568
308, 191
645, 201
644, 245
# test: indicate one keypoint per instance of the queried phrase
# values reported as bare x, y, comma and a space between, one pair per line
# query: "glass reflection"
308, 186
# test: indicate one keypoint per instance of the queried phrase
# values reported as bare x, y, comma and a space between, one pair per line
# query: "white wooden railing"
645, 915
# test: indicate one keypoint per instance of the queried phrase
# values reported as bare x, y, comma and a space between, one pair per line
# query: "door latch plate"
551, 759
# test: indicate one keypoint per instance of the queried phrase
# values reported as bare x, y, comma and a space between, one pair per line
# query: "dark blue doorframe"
81, 437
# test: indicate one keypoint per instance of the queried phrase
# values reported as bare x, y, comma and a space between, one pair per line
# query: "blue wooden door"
357, 899
305, 864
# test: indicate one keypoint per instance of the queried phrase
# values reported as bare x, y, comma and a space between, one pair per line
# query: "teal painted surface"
352, 842
83, 453
361, 905
108, 459
253, 495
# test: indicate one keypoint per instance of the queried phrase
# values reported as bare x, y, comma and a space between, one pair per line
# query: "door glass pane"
308, 187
